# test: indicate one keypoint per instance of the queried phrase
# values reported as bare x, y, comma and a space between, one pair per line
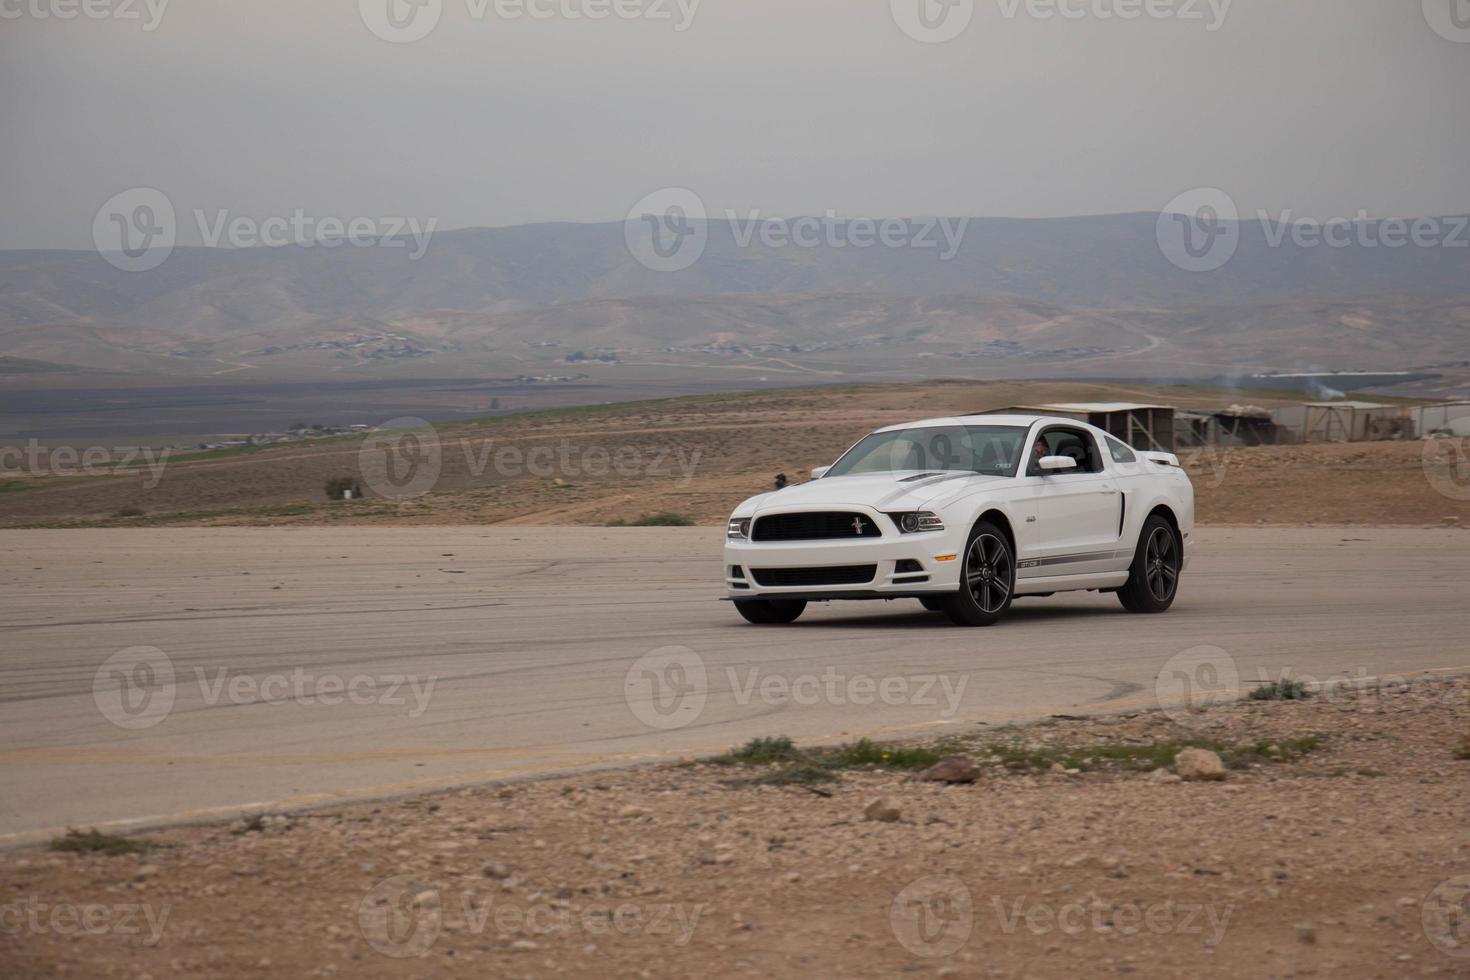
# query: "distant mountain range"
1037, 296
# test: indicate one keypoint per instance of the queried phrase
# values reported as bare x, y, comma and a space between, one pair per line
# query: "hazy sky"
260, 107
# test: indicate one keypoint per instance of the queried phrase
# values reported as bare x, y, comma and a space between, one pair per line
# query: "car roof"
1022, 421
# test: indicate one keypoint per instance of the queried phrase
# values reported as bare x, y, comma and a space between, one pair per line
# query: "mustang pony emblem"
857, 526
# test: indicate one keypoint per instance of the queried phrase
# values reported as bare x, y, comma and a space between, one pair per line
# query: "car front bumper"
935, 554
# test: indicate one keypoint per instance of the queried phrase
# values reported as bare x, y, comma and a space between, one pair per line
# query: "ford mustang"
965, 515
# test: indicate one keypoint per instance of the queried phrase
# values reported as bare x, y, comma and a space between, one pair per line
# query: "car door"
1077, 511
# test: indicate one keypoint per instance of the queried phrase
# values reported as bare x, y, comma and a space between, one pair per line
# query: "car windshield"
992, 450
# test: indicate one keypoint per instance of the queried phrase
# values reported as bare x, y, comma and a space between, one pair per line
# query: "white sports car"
965, 514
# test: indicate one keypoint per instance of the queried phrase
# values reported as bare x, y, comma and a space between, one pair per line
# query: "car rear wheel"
1153, 579
770, 612
987, 579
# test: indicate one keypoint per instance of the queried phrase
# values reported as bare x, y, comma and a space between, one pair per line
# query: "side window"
1120, 452
1075, 443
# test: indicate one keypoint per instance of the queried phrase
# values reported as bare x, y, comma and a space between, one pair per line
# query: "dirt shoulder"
1336, 847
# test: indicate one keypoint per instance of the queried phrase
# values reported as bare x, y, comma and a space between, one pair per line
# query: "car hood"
889, 492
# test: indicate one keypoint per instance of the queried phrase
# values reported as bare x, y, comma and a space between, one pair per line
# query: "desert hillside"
1072, 297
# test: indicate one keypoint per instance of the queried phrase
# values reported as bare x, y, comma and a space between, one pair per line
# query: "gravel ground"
1347, 859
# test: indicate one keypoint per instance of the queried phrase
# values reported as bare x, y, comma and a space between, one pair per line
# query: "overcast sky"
260, 107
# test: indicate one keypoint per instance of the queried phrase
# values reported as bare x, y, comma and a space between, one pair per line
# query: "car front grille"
814, 526
829, 575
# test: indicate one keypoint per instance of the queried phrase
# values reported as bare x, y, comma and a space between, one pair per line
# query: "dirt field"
1337, 848
694, 457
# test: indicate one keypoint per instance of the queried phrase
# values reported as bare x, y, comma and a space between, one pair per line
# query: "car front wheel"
1153, 579
770, 612
987, 579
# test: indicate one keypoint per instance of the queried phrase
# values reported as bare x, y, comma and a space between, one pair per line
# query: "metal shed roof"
1345, 404
1094, 407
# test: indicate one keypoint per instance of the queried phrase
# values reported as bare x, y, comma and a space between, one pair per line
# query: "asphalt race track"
159, 675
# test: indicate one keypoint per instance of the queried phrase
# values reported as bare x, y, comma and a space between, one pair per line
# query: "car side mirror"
820, 472
1057, 463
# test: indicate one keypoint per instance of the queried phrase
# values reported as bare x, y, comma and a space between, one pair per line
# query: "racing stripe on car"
1071, 559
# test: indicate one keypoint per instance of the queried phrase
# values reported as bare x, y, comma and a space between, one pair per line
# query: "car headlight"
738, 529
918, 521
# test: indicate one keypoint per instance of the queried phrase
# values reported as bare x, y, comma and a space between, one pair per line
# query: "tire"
770, 612
933, 603
987, 579
1153, 578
